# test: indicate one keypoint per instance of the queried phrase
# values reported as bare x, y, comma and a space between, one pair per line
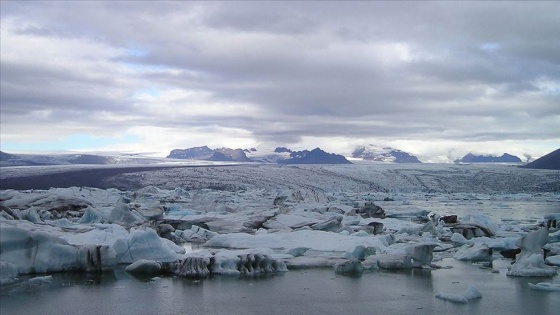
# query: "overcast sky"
437, 79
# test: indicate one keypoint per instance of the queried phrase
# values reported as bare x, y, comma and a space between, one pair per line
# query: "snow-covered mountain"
504, 158
383, 154
205, 153
266, 154
281, 155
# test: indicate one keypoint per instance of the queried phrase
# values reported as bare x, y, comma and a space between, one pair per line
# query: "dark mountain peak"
504, 158
205, 153
315, 156
551, 161
282, 150
7, 156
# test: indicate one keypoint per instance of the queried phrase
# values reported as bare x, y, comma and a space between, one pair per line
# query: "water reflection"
295, 292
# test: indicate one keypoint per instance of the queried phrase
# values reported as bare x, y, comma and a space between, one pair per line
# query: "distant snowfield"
268, 219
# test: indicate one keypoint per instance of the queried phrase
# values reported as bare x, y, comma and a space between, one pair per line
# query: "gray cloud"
281, 71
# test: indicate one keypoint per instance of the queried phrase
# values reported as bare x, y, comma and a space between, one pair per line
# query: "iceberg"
144, 244
474, 252
40, 252
388, 261
226, 262
420, 254
530, 261
352, 266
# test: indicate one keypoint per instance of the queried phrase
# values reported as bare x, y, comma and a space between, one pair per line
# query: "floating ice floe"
545, 286
388, 261
144, 266
352, 266
471, 293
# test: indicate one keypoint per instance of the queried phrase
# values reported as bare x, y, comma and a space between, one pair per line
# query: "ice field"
195, 223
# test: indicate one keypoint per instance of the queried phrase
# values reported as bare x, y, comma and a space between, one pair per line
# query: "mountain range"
315, 156
504, 158
207, 154
279, 155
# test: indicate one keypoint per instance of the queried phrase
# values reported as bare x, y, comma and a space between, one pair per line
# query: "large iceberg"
530, 261
39, 252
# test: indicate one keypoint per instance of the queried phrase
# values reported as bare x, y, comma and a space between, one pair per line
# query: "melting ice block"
421, 254
474, 252
144, 244
352, 266
226, 262
144, 266
471, 293
553, 260
544, 286
8, 273
296, 251
530, 261
39, 252
388, 261
123, 214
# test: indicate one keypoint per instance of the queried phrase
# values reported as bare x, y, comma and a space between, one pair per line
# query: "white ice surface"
553, 260
315, 240
314, 194
545, 286
530, 261
471, 293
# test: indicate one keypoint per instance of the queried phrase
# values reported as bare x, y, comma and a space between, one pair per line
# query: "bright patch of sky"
490, 47
153, 92
78, 142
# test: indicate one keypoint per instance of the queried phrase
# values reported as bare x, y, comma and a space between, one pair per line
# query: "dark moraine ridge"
95, 178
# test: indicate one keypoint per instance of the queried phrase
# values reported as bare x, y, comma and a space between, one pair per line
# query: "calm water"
311, 291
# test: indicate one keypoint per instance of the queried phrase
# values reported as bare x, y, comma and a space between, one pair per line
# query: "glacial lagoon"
305, 291
510, 202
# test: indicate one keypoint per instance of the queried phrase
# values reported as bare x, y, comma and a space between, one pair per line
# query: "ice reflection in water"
312, 291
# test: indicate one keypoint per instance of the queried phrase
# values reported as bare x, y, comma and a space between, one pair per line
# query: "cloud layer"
433, 78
